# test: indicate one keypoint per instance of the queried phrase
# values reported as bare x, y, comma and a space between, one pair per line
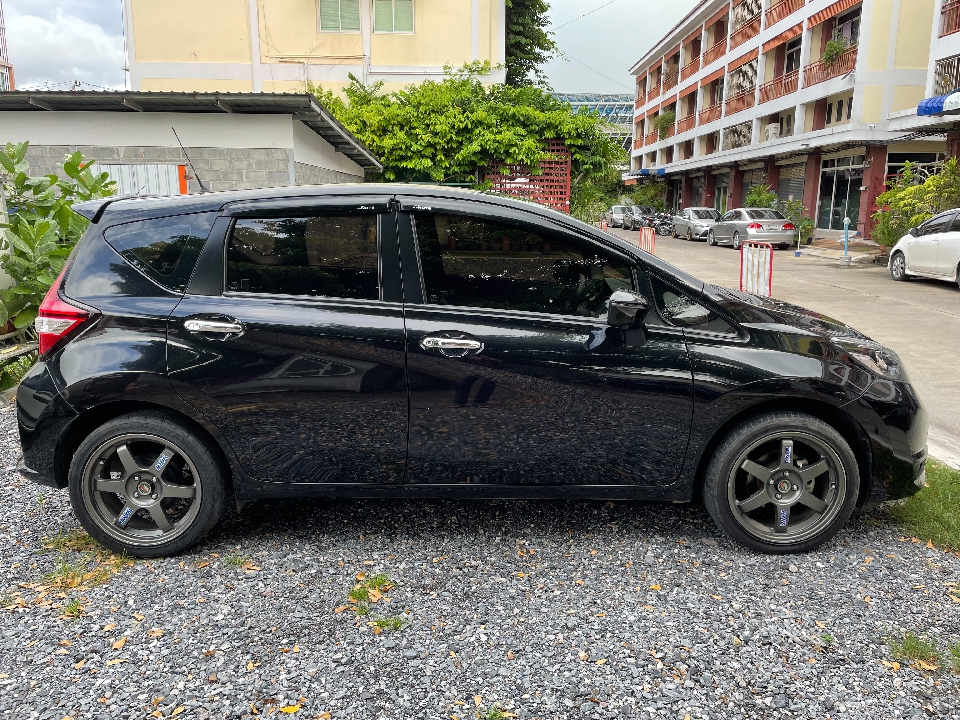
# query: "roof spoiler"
92, 210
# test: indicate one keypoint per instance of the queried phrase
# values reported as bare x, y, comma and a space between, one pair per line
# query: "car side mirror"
626, 309
914, 232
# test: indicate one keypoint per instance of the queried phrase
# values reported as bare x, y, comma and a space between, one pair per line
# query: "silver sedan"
752, 225
694, 223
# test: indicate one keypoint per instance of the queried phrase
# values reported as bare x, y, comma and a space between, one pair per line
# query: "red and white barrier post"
756, 268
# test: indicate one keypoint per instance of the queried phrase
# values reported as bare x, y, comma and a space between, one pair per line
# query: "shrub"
912, 199
663, 122
760, 196
833, 50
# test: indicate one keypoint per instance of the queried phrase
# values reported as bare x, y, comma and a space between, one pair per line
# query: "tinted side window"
955, 226
321, 256
677, 309
163, 249
936, 225
476, 262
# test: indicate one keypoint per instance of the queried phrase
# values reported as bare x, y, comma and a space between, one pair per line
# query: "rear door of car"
923, 249
948, 250
515, 377
290, 339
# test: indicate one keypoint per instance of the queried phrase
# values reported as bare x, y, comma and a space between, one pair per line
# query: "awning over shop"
948, 104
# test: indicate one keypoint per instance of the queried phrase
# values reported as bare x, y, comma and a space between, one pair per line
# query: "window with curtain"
339, 15
393, 16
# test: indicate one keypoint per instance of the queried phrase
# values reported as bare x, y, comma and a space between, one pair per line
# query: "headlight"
876, 359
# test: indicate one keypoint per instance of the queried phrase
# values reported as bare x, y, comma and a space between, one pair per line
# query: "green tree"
451, 130
760, 196
529, 44
914, 198
43, 227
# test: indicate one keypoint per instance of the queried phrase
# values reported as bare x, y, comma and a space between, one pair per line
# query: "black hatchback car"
391, 340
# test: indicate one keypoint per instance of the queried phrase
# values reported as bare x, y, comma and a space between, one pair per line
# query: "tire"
674, 233
736, 240
783, 246
689, 235
114, 470
711, 238
898, 267
813, 505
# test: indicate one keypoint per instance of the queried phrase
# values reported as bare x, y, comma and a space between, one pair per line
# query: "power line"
570, 57
584, 15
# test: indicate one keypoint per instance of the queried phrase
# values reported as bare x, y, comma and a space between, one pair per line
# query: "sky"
60, 41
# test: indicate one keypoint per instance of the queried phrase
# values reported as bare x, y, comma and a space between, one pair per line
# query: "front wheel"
782, 483
689, 235
898, 267
736, 241
711, 238
145, 485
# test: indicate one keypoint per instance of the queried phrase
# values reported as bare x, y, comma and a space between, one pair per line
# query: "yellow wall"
872, 104
195, 85
289, 30
913, 34
816, 37
441, 36
769, 66
880, 35
907, 96
216, 31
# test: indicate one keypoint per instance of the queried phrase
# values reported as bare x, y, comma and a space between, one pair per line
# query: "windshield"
705, 214
764, 215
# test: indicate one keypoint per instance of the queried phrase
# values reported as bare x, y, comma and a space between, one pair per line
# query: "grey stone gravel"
546, 609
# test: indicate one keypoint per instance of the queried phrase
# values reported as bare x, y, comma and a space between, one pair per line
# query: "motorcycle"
663, 224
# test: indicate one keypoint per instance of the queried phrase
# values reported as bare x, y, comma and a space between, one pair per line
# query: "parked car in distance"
931, 250
637, 216
615, 215
694, 223
414, 341
754, 225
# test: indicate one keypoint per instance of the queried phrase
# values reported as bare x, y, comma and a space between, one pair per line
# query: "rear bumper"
773, 238
43, 416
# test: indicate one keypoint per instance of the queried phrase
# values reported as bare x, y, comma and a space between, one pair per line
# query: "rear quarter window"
164, 249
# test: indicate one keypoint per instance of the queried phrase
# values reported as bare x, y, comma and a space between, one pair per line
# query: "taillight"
56, 319
754, 226
789, 226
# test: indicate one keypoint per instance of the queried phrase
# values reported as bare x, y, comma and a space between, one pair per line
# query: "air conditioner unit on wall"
772, 132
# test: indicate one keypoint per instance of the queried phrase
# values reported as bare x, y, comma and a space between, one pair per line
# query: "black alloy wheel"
144, 485
783, 483
898, 267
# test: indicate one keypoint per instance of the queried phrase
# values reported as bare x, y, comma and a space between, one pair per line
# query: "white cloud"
61, 49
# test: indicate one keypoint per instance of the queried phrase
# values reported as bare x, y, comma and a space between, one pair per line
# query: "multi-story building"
278, 45
616, 109
6, 69
816, 98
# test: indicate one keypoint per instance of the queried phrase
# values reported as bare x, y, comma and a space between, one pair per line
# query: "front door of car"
923, 248
514, 375
290, 340
948, 249
723, 229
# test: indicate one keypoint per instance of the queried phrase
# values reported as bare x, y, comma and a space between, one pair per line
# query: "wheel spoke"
812, 472
781, 521
130, 465
757, 500
111, 486
160, 517
757, 470
163, 459
786, 453
177, 491
812, 502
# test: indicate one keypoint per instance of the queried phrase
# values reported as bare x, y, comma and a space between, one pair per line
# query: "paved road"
919, 319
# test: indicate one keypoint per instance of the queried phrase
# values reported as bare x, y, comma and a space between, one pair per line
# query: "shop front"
841, 180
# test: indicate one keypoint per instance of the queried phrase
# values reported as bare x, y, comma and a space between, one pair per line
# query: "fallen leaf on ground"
120, 643
340, 609
155, 633
654, 587
109, 626
79, 665
926, 666
116, 662
477, 700
178, 710
208, 653
138, 616
290, 709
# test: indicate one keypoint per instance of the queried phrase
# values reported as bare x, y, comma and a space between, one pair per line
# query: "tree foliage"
43, 227
529, 44
760, 196
912, 199
451, 130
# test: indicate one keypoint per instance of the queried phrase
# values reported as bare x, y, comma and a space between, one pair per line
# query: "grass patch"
72, 610
827, 639
69, 574
393, 623
494, 713
933, 514
954, 658
72, 541
235, 560
918, 649
367, 592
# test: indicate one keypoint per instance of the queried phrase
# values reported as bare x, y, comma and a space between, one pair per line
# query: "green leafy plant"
13, 371
664, 122
834, 49
392, 623
796, 212
760, 196
529, 45
933, 514
42, 228
913, 198
919, 649
235, 560
72, 609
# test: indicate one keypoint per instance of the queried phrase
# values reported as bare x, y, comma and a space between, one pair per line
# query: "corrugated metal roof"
303, 107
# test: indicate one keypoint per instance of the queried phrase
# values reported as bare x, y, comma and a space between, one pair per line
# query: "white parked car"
931, 250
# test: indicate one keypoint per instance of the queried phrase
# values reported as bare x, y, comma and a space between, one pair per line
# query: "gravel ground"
544, 609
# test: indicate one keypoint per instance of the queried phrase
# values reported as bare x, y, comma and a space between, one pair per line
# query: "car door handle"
216, 327
446, 343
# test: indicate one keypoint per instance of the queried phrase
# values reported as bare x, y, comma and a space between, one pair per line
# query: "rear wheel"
144, 485
736, 241
782, 483
689, 235
783, 246
898, 267
711, 238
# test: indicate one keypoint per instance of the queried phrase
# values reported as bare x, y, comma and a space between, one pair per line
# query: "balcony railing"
780, 10
751, 28
714, 112
687, 123
691, 67
640, 102
783, 85
670, 80
820, 71
654, 92
950, 17
715, 53
651, 137
741, 101
638, 143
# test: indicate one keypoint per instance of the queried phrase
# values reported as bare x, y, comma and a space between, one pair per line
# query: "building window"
848, 27
393, 16
839, 110
4, 79
339, 15
829, 113
792, 56
849, 108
